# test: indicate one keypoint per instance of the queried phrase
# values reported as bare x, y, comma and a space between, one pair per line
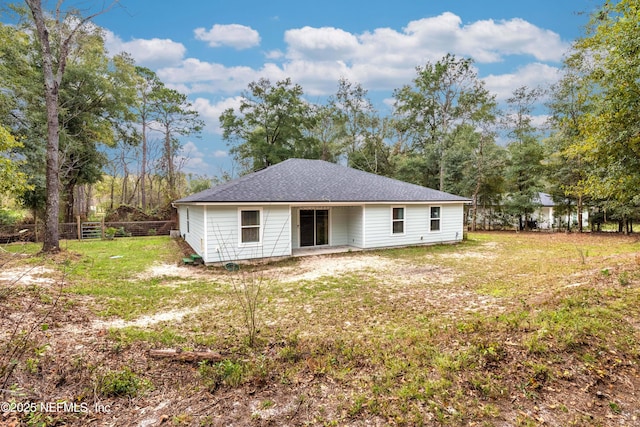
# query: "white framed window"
434, 218
250, 221
397, 220
188, 224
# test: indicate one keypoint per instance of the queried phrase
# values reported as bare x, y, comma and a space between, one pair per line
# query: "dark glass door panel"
322, 227
307, 225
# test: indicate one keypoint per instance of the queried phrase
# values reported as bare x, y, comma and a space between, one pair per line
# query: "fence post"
102, 227
79, 227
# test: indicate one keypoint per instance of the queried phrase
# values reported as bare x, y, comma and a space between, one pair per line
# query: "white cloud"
201, 76
426, 39
531, 75
381, 59
516, 37
320, 43
316, 77
385, 58
540, 121
194, 160
210, 113
486, 40
233, 35
191, 158
148, 52
274, 54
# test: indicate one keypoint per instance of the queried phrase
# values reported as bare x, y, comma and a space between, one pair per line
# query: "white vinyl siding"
295, 234
356, 226
223, 225
339, 221
416, 225
346, 226
364, 226
193, 229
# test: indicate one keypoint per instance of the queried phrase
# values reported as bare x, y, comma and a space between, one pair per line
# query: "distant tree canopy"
118, 128
272, 125
599, 125
91, 125
445, 95
12, 181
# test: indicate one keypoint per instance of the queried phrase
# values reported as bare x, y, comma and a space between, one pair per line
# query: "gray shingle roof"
299, 180
545, 199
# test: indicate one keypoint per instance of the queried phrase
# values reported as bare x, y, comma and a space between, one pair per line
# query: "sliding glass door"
314, 227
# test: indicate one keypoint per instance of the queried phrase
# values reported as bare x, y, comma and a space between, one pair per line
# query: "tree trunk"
51, 86
69, 202
442, 173
580, 213
474, 215
170, 166
111, 194
52, 80
87, 190
143, 168
51, 241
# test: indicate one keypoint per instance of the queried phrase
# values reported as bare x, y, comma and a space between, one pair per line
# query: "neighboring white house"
305, 204
544, 215
547, 218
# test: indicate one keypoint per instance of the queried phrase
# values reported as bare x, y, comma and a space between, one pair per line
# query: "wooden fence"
86, 230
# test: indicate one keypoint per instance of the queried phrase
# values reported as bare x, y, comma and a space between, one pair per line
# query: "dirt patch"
314, 267
36, 275
171, 316
177, 271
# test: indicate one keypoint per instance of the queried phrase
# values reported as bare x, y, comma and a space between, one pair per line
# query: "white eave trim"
325, 203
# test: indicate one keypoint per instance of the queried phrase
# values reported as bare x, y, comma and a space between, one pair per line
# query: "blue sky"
211, 49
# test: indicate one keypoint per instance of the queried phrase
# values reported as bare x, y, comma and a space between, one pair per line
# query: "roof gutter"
328, 203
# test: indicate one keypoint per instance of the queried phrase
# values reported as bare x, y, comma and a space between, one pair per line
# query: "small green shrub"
110, 233
227, 372
615, 408
624, 279
121, 232
124, 382
9, 217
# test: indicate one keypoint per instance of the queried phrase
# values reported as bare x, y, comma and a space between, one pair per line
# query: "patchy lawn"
503, 329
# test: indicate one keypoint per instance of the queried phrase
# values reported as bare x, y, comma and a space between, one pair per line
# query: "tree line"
76, 117
76, 121
447, 131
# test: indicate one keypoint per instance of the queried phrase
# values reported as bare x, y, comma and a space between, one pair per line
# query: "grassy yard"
503, 329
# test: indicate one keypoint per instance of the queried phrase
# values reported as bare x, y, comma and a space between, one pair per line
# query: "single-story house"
297, 205
543, 216
546, 216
